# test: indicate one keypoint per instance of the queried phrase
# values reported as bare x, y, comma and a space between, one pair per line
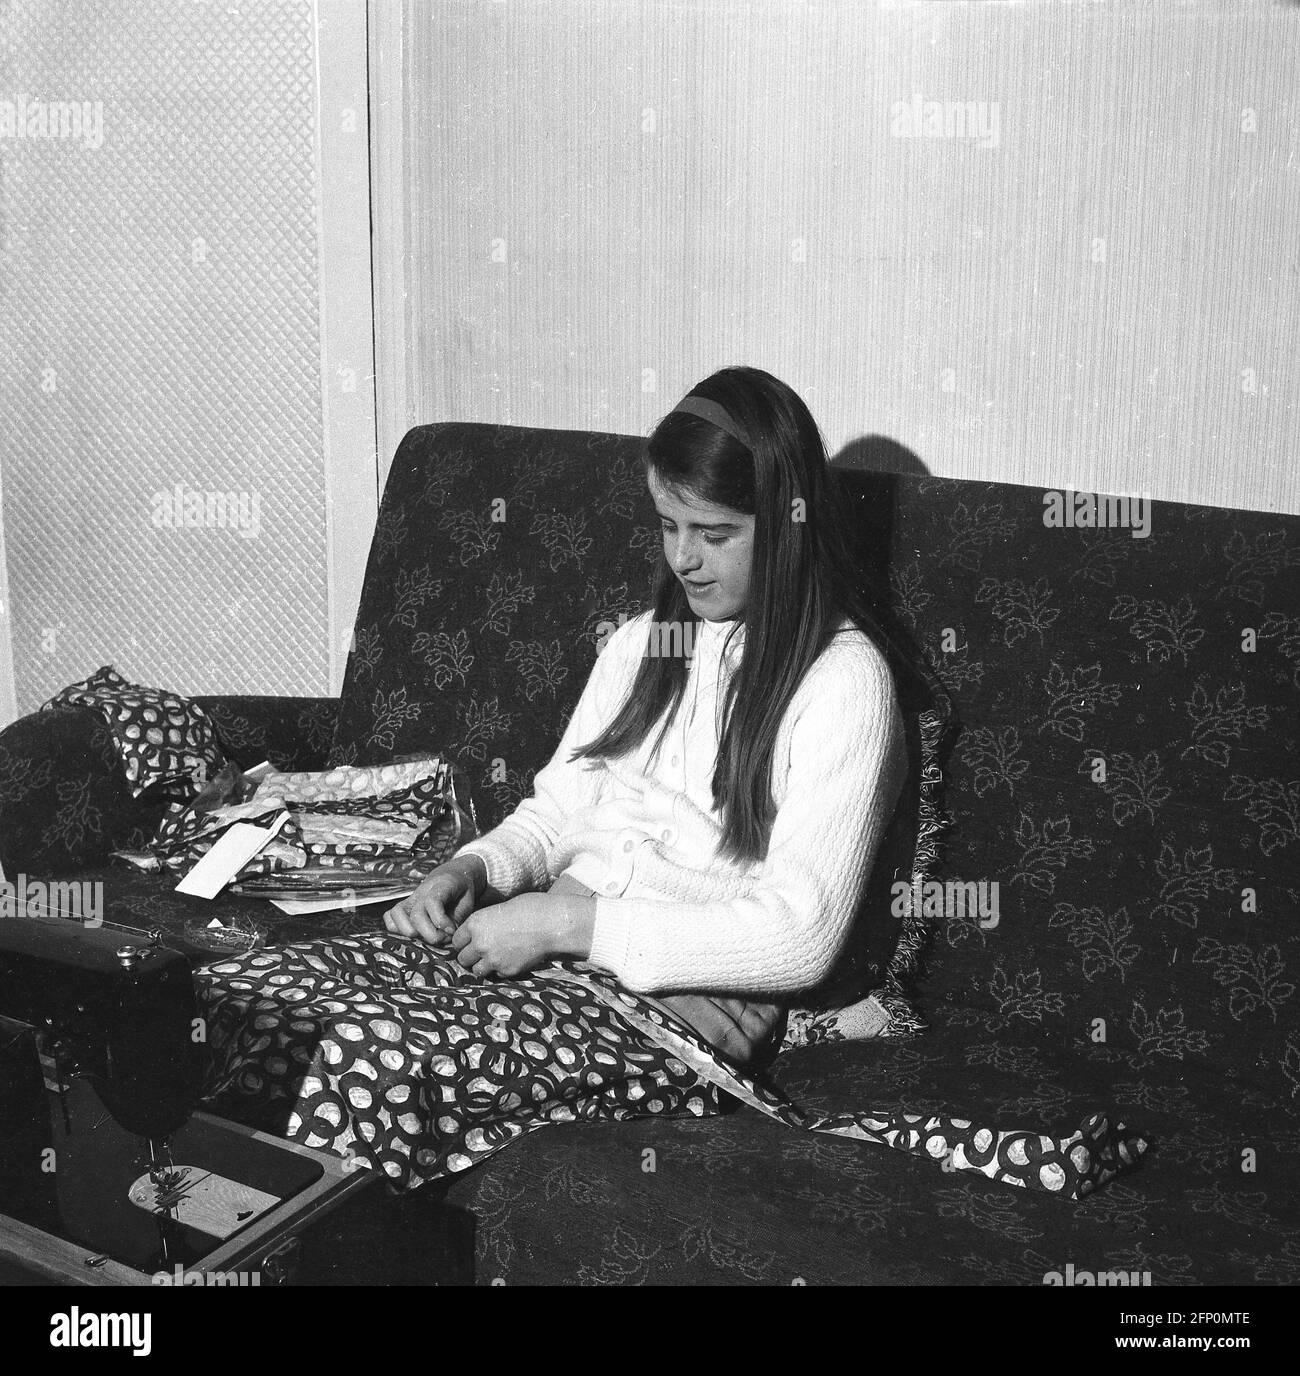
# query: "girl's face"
709, 549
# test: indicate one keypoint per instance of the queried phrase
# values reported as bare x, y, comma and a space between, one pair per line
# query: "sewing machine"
109, 1173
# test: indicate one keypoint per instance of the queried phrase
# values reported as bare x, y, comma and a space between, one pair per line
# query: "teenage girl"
706, 827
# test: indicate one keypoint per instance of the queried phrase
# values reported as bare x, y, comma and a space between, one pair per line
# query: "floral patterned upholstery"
1144, 950
490, 574
1149, 896
742, 1200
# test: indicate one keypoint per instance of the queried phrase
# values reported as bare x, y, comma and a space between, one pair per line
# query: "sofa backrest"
498, 553
1127, 765
1127, 770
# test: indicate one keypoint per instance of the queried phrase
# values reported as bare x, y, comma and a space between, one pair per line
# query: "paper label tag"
231, 851
345, 900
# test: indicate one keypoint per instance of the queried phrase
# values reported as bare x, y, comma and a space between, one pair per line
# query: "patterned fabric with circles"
382, 1047
165, 742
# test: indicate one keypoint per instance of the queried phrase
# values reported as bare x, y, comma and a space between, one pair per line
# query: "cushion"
165, 741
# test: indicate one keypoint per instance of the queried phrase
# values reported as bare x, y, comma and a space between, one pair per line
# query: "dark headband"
710, 410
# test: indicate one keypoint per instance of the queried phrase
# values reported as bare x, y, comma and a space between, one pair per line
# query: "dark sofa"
1126, 768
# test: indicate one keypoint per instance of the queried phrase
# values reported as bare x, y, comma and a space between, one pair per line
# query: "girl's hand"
445, 897
518, 935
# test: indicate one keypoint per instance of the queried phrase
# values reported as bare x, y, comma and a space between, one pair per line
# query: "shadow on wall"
879, 454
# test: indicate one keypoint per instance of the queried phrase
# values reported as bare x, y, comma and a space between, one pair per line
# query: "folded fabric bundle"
400, 820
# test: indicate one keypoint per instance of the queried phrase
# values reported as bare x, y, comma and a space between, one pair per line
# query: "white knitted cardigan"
700, 922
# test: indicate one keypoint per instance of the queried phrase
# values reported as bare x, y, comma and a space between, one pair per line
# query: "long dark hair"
803, 582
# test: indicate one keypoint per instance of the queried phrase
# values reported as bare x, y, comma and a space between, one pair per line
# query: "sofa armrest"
64, 800
293, 733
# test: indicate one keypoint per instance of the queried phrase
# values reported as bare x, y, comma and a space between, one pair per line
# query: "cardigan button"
611, 886
627, 845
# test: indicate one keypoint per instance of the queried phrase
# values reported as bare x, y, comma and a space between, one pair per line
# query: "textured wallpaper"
1045, 243
160, 408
